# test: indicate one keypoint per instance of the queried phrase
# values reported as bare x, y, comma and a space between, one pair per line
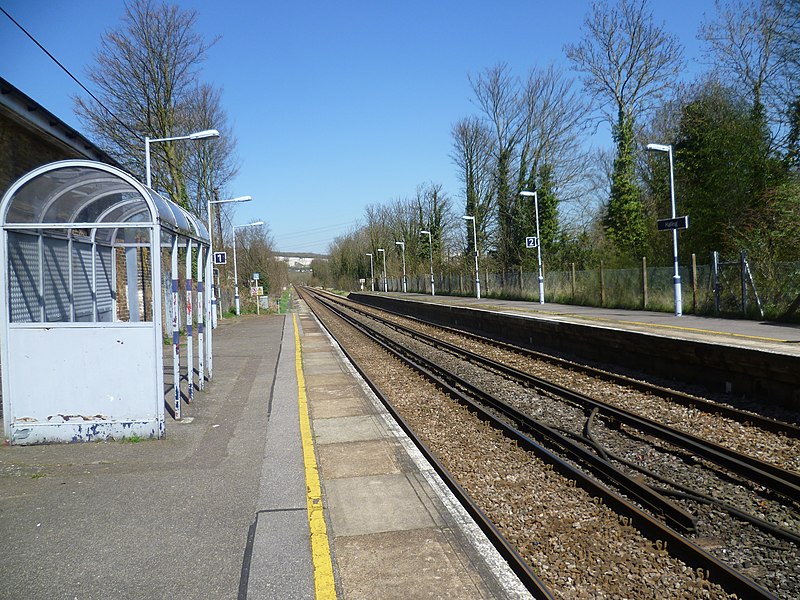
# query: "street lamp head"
527, 194
468, 218
206, 133
659, 147
369, 254
381, 250
237, 199
254, 224
424, 232
400, 243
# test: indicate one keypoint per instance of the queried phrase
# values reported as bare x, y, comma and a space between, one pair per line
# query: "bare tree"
146, 71
498, 95
473, 154
629, 64
552, 160
209, 167
755, 43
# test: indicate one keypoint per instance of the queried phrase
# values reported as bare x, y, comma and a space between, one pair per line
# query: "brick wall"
22, 149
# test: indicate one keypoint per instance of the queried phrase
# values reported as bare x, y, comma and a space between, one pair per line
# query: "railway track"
590, 438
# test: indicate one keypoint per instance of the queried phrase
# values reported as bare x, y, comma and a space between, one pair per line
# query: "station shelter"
82, 246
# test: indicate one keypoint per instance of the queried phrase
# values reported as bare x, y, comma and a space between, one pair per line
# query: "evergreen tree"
624, 219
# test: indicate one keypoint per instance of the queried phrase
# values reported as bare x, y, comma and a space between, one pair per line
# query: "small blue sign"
220, 258
531, 242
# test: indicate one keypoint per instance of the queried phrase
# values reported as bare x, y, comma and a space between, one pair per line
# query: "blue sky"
335, 105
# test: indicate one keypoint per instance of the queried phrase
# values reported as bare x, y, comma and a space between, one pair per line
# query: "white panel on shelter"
64, 374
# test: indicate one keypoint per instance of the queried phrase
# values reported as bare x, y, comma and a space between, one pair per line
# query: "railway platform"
228, 505
737, 359
781, 338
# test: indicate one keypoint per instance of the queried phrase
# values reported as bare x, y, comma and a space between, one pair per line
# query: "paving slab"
346, 429
375, 503
419, 563
357, 459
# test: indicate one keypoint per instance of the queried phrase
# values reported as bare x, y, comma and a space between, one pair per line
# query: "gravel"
576, 545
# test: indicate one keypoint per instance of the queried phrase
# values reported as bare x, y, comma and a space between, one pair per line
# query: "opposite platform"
781, 338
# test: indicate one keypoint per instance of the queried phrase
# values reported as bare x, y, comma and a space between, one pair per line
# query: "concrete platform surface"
221, 508
153, 519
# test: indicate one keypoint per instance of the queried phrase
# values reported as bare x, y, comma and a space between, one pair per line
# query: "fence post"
602, 286
694, 283
715, 268
573, 282
743, 267
644, 282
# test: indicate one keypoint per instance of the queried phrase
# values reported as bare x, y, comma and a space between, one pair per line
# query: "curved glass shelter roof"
86, 194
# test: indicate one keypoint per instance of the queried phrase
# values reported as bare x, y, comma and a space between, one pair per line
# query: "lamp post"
198, 135
527, 194
676, 278
235, 270
385, 283
403, 249
475, 243
209, 202
430, 243
371, 273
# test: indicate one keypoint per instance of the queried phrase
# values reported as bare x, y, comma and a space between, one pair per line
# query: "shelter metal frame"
74, 366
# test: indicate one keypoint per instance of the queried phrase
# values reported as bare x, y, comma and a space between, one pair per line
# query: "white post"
385, 283
209, 318
189, 319
235, 275
403, 249
371, 273
147, 161
475, 243
539, 249
201, 309
430, 244
176, 339
677, 276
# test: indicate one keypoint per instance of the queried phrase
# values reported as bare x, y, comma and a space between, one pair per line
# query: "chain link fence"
741, 288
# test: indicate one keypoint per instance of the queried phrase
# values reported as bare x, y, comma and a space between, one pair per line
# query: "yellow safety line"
710, 331
320, 548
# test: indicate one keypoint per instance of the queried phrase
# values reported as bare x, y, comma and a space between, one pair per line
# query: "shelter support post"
210, 315
201, 308
189, 319
176, 338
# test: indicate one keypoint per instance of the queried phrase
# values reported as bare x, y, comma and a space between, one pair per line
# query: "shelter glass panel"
56, 280
23, 268
82, 281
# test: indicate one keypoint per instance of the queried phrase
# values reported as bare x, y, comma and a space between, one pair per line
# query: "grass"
284, 302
